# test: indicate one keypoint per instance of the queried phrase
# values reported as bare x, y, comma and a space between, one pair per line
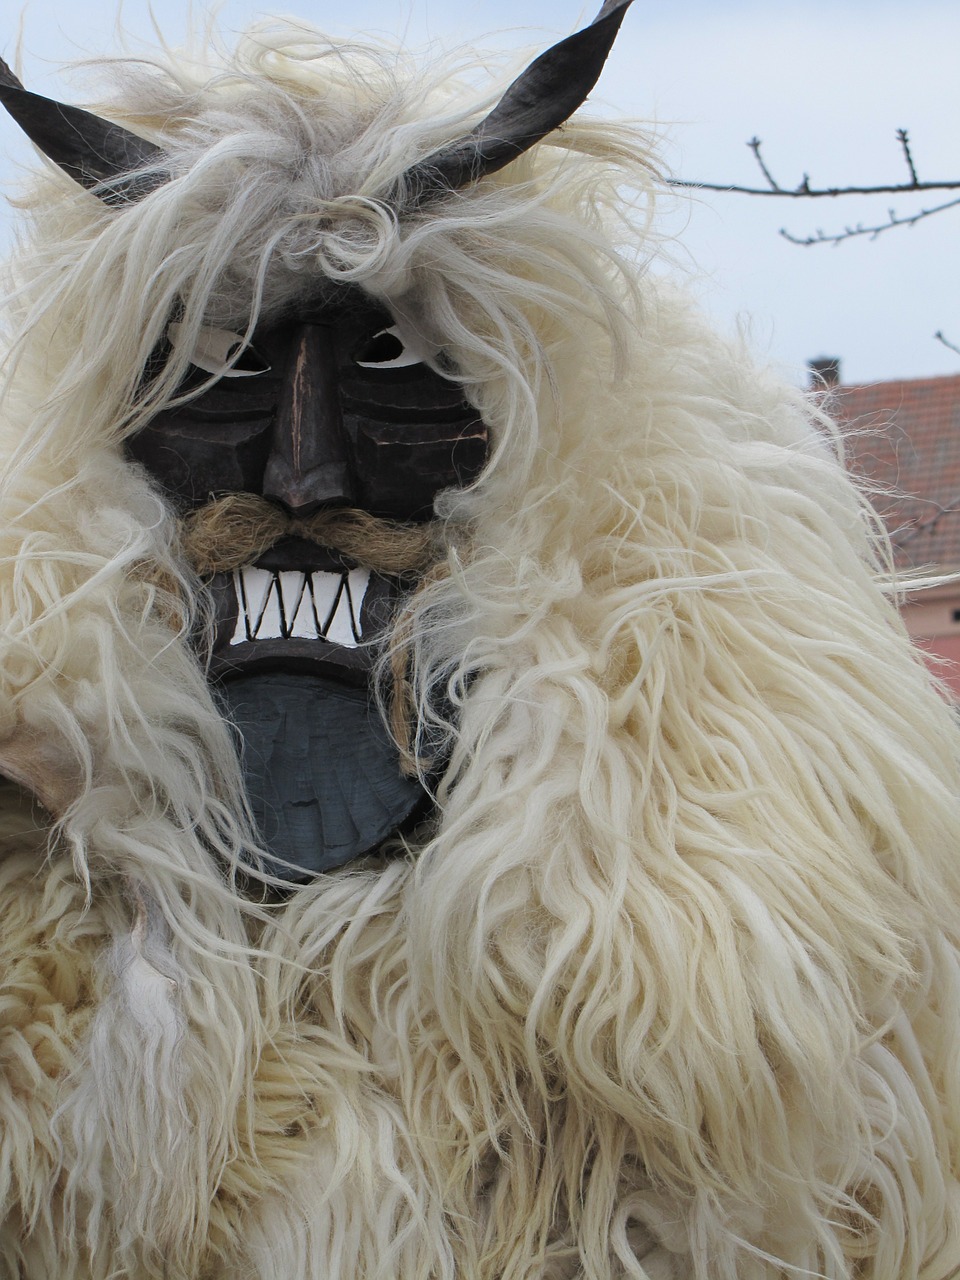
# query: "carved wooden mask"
333, 408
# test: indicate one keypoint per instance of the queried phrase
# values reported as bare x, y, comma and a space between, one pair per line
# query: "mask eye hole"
389, 348
220, 352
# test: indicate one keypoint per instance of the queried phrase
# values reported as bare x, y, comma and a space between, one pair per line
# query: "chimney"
824, 373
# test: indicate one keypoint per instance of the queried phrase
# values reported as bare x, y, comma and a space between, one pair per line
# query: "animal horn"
541, 98
94, 152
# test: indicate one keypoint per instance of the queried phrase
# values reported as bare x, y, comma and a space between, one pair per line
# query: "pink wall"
933, 622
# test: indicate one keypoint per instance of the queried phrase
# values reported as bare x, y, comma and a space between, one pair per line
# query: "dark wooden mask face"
329, 408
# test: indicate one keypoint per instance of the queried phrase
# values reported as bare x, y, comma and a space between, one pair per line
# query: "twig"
906, 534
754, 144
804, 191
848, 233
904, 141
940, 338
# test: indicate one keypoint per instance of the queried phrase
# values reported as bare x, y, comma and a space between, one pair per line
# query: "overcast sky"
825, 84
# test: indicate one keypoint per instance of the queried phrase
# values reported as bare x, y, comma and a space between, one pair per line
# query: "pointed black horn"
99, 155
538, 101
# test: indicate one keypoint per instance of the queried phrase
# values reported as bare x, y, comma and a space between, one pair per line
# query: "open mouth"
291, 662
285, 613
290, 604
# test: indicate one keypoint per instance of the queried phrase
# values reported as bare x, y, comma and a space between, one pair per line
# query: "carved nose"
307, 467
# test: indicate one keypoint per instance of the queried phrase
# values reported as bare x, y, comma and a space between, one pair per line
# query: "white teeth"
292, 593
255, 585
345, 621
284, 604
270, 625
327, 594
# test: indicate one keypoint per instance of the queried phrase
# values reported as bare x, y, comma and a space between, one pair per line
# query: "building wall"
932, 620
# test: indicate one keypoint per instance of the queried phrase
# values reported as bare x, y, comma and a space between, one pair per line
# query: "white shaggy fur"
669, 989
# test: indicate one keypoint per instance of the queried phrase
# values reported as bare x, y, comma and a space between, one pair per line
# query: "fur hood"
668, 986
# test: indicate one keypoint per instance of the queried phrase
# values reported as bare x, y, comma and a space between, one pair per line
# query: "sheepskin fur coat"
665, 985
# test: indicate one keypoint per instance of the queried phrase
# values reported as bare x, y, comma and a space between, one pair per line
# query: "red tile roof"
906, 439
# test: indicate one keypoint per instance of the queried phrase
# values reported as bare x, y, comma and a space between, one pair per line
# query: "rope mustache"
236, 530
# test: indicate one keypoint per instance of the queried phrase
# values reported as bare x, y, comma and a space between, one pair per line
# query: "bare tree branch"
914, 528
848, 233
754, 144
804, 191
940, 338
904, 141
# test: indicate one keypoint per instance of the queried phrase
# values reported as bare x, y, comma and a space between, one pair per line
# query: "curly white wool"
670, 989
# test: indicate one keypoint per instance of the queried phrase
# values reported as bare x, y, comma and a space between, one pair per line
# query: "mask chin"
295, 641
322, 775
